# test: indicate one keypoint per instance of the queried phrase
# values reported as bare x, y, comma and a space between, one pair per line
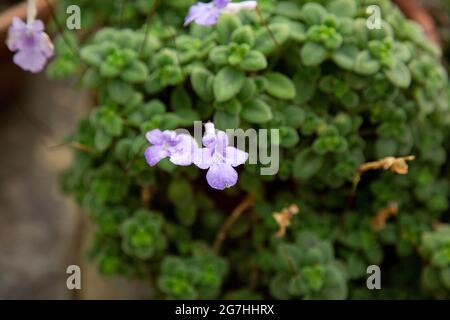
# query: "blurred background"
41, 231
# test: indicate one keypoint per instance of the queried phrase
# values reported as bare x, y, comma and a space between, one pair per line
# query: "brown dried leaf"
379, 220
284, 217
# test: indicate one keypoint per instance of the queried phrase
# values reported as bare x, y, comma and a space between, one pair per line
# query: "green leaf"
256, 111
102, 140
233, 106
385, 147
237, 53
280, 86
343, 8
180, 99
248, 90
153, 83
264, 41
289, 137
112, 124
313, 13
243, 35
122, 150
254, 61
108, 70
180, 192
279, 288
219, 55
297, 31
91, 79
365, 64
345, 56
120, 91
226, 26
170, 121
226, 120
313, 54
297, 286
187, 117
350, 99
201, 85
306, 164
306, 85
136, 72
227, 83
289, 9
294, 116
92, 55
399, 75
187, 214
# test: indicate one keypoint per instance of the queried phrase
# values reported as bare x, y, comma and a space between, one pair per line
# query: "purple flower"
32, 44
180, 148
219, 159
207, 14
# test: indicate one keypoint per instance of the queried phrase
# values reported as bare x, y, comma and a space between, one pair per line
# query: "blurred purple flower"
207, 14
219, 159
32, 44
180, 148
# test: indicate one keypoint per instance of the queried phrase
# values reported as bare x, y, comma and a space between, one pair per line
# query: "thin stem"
31, 11
73, 144
264, 23
248, 202
150, 17
174, 40
289, 260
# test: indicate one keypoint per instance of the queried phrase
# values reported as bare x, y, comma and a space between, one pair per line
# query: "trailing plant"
341, 95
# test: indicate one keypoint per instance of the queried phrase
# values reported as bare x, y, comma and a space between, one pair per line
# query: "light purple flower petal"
184, 152
18, 24
219, 158
236, 7
37, 26
182, 149
46, 46
15, 30
179, 147
221, 176
154, 154
235, 157
205, 14
32, 45
209, 138
155, 137
203, 158
221, 142
221, 3
171, 138
30, 61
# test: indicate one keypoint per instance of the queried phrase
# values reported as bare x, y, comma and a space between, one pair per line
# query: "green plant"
436, 248
341, 95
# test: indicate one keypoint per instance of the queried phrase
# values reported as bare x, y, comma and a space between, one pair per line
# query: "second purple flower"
32, 45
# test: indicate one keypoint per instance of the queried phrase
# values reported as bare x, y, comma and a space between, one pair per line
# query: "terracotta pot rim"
415, 11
